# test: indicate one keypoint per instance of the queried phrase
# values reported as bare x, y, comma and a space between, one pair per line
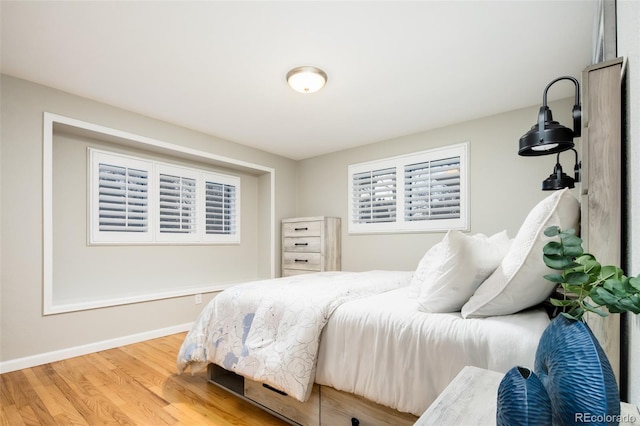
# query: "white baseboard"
45, 358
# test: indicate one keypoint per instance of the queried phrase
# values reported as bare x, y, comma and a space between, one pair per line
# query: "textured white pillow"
519, 282
451, 270
436, 255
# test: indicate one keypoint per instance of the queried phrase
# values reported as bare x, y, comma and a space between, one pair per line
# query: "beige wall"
83, 272
503, 185
24, 330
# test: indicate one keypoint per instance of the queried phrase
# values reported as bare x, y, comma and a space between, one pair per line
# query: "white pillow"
451, 270
519, 282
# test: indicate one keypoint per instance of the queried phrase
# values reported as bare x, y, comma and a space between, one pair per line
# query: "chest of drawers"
310, 244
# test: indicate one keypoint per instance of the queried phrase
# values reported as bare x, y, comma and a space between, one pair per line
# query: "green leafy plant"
588, 286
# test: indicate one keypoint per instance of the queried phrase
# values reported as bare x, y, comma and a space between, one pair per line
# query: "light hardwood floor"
131, 385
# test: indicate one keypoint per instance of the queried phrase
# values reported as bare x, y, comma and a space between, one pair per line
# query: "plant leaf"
626, 304
576, 278
574, 314
566, 232
635, 300
602, 296
573, 251
616, 287
557, 261
571, 240
558, 302
590, 266
609, 271
554, 278
552, 231
577, 289
586, 257
552, 247
595, 310
635, 282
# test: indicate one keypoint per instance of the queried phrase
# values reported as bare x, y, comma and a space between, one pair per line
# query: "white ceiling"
395, 67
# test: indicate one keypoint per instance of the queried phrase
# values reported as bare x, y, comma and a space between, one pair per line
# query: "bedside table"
471, 399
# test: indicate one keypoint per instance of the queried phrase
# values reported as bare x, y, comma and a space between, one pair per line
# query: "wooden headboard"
601, 188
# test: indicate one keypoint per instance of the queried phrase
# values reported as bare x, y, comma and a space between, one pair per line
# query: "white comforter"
269, 331
385, 349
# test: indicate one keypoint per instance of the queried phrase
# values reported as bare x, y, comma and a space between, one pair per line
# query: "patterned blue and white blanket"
269, 331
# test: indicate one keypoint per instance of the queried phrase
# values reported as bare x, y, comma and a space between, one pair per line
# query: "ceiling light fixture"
306, 79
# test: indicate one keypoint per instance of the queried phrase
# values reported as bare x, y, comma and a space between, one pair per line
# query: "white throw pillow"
451, 270
519, 282
436, 255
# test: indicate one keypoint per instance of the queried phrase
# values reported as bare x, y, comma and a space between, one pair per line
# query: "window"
143, 201
374, 196
432, 190
177, 204
221, 208
123, 196
419, 192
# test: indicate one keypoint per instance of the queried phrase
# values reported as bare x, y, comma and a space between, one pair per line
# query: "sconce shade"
306, 79
553, 138
548, 136
557, 180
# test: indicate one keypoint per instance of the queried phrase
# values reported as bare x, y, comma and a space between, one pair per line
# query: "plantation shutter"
374, 196
123, 195
432, 190
177, 204
220, 208
135, 200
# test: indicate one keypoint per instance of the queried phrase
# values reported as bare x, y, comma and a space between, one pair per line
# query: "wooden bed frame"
601, 208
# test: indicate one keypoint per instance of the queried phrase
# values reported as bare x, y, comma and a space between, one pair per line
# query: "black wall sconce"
558, 179
550, 137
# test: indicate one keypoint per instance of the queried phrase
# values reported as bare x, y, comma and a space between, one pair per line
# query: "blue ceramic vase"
522, 400
577, 375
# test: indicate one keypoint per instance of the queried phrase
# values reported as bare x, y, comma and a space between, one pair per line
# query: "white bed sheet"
386, 350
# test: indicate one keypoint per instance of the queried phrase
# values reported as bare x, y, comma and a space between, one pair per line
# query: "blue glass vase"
522, 400
577, 375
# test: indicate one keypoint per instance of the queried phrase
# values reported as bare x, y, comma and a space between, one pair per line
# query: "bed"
377, 347
471, 301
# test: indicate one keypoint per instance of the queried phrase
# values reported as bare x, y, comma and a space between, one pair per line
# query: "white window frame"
182, 173
96, 157
399, 224
154, 233
234, 234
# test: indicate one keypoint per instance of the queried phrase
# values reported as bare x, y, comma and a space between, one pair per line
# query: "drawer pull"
301, 260
355, 421
302, 244
271, 388
301, 229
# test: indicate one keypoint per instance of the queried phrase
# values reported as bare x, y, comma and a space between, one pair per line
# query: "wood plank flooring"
131, 385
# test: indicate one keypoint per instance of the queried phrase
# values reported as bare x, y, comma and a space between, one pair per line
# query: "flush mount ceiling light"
306, 79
